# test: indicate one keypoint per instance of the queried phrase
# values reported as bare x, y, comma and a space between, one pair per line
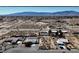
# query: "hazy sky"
9, 10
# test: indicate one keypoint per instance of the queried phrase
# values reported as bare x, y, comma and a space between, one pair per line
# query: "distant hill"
61, 13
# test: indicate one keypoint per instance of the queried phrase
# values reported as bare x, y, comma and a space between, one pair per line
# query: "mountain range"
61, 13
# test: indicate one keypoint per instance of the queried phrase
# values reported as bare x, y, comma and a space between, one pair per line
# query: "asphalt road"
34, 49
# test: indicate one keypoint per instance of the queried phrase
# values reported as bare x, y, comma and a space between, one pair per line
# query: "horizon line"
39, 12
